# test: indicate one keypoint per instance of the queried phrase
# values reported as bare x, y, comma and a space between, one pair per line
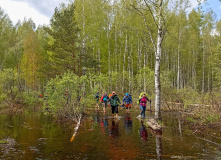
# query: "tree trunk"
203, 80
157, 64
144, 66
129, 65
178, 63
124, 63
99, 59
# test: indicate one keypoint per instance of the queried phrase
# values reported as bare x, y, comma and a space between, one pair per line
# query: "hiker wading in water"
113, 103
143, 100
104, 100
127, 101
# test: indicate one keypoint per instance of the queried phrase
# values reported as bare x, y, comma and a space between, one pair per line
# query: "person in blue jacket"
127, 101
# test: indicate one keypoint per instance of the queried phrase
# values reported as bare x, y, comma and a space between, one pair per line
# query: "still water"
33, 135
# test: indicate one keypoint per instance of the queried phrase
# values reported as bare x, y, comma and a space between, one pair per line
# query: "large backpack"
138, 102
105, 98
128, 99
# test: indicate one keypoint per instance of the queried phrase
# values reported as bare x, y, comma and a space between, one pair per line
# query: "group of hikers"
112, 100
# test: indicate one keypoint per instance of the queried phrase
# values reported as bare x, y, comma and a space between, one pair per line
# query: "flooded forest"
112, 80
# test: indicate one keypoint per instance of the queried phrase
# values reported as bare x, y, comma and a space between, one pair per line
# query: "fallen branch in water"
172, 156
208, 140
76, 129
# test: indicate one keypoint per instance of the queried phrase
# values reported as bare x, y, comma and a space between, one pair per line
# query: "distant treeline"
108, 42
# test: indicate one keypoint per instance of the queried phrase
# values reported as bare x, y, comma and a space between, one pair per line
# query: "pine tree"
65, 44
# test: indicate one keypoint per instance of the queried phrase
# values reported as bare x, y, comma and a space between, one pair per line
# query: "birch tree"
156, 9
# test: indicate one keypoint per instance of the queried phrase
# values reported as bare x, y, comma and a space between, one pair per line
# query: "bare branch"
145, 21
151, 13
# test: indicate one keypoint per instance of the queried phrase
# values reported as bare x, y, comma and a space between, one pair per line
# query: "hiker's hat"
127, 94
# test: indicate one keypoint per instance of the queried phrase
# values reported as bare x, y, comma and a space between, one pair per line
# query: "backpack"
128, 99
97, 96
138, 101
105, 98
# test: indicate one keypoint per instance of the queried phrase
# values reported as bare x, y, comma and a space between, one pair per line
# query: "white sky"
39, 10
42, 10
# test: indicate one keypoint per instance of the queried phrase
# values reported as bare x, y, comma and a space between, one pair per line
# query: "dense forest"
105, 46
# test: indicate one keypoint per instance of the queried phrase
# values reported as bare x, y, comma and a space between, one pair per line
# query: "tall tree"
6, 31
64, 48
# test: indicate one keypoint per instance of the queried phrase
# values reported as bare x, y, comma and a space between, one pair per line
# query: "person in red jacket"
103, 100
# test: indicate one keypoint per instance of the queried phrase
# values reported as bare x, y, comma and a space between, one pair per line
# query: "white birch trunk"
124, 63
178, 63
84, 68
203, 80
138, 64
132, 71
128, 60
144, 65
99, 59
157, 64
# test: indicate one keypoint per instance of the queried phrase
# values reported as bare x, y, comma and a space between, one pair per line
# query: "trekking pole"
150, 106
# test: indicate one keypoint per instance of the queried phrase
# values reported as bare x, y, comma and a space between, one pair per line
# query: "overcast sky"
39, 10
42, 10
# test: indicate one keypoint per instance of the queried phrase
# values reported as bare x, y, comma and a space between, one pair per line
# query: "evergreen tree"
65, 44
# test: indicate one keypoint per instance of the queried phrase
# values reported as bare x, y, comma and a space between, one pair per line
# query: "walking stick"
150, 106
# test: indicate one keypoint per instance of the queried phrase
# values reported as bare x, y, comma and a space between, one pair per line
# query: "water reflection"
143, 132
180, 127
35, 136
103, 125
97, 117
114, 128
159, 144
128, 123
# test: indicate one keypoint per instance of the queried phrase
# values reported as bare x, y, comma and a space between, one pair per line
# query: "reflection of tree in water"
128, 123
159, 144
114, 129
143, 132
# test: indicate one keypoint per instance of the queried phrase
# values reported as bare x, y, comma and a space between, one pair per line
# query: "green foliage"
190, 119
211, 118
67, 95
8, 79
10, 89
64, 32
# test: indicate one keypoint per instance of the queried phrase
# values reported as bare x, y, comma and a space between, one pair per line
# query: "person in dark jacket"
113, 103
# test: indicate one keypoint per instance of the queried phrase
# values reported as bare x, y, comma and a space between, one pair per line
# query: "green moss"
161, 123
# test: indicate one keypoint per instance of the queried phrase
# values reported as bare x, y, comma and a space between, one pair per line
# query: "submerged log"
154, 124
